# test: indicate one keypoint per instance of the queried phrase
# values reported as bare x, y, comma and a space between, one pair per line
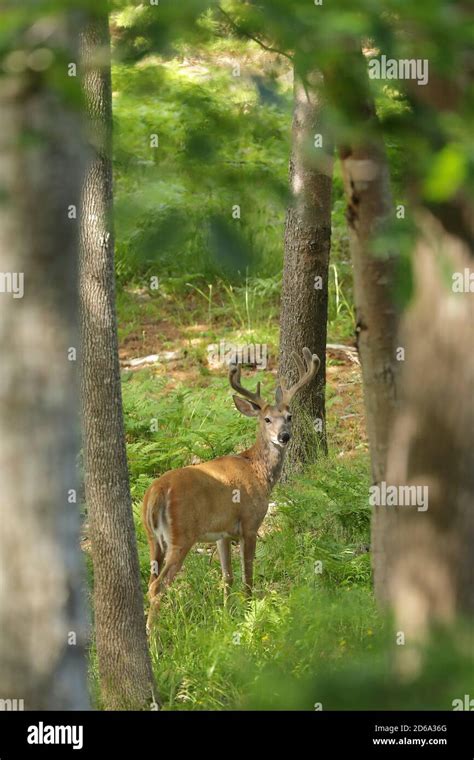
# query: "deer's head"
275, 419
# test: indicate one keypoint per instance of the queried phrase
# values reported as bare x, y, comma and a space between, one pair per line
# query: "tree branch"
251, 36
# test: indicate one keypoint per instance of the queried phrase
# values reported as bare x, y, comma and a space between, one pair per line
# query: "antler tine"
299, 363
307, 369
234, 379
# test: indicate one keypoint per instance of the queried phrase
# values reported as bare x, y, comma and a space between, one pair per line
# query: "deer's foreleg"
247, 554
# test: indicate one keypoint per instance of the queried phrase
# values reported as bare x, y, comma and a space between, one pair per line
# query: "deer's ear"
246, 407
278, 395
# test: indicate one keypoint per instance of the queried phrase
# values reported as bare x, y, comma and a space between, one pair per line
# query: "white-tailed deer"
226, 498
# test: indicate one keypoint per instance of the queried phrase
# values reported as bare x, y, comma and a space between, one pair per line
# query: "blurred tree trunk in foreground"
420, 417
429, 564
430, 554
42, 613
124, 663
367, 186
366, 178
304, 303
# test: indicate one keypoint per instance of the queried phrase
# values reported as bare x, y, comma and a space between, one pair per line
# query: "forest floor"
159, 332
180, 411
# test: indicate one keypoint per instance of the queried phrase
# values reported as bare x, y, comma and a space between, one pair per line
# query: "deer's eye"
267, 419
288, 417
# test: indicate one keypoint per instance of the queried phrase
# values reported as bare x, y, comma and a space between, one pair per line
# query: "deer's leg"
156, 559
247, 555
224, 549
174, 559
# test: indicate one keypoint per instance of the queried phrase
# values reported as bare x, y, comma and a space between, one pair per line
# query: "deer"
224, 499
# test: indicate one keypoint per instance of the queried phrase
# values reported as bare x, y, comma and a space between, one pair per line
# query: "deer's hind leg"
157, 556
175, 556
224, 550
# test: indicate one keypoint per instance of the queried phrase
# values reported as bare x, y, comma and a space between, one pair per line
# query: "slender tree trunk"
367, 185
124, 663
42, 612
304, 303
366, 178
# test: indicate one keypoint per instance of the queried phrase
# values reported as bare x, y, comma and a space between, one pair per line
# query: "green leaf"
448, 171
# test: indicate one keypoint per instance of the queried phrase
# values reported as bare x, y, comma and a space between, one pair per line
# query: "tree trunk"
366, 178
367, 186
304, 303
419, 410
124, 663
428, 552
42, 612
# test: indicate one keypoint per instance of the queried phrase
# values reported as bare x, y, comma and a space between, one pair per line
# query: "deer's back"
207, 501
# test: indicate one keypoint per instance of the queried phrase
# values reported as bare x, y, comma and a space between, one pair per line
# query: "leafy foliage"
219, 147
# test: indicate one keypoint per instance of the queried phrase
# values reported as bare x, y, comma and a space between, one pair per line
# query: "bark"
419, 411
124, 664
428, 562
367, 187
304, 306
428, 573
366, 180
43, 621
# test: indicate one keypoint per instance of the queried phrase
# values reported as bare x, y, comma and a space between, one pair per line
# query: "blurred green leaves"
447, 174
219, 147
224, 139
229, 247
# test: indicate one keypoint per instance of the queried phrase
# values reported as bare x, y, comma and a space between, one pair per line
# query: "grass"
313, 551
312, 635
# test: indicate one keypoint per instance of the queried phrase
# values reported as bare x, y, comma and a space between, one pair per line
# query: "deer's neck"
267, 461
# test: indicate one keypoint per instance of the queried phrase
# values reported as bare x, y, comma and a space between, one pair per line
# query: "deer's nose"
284, 437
